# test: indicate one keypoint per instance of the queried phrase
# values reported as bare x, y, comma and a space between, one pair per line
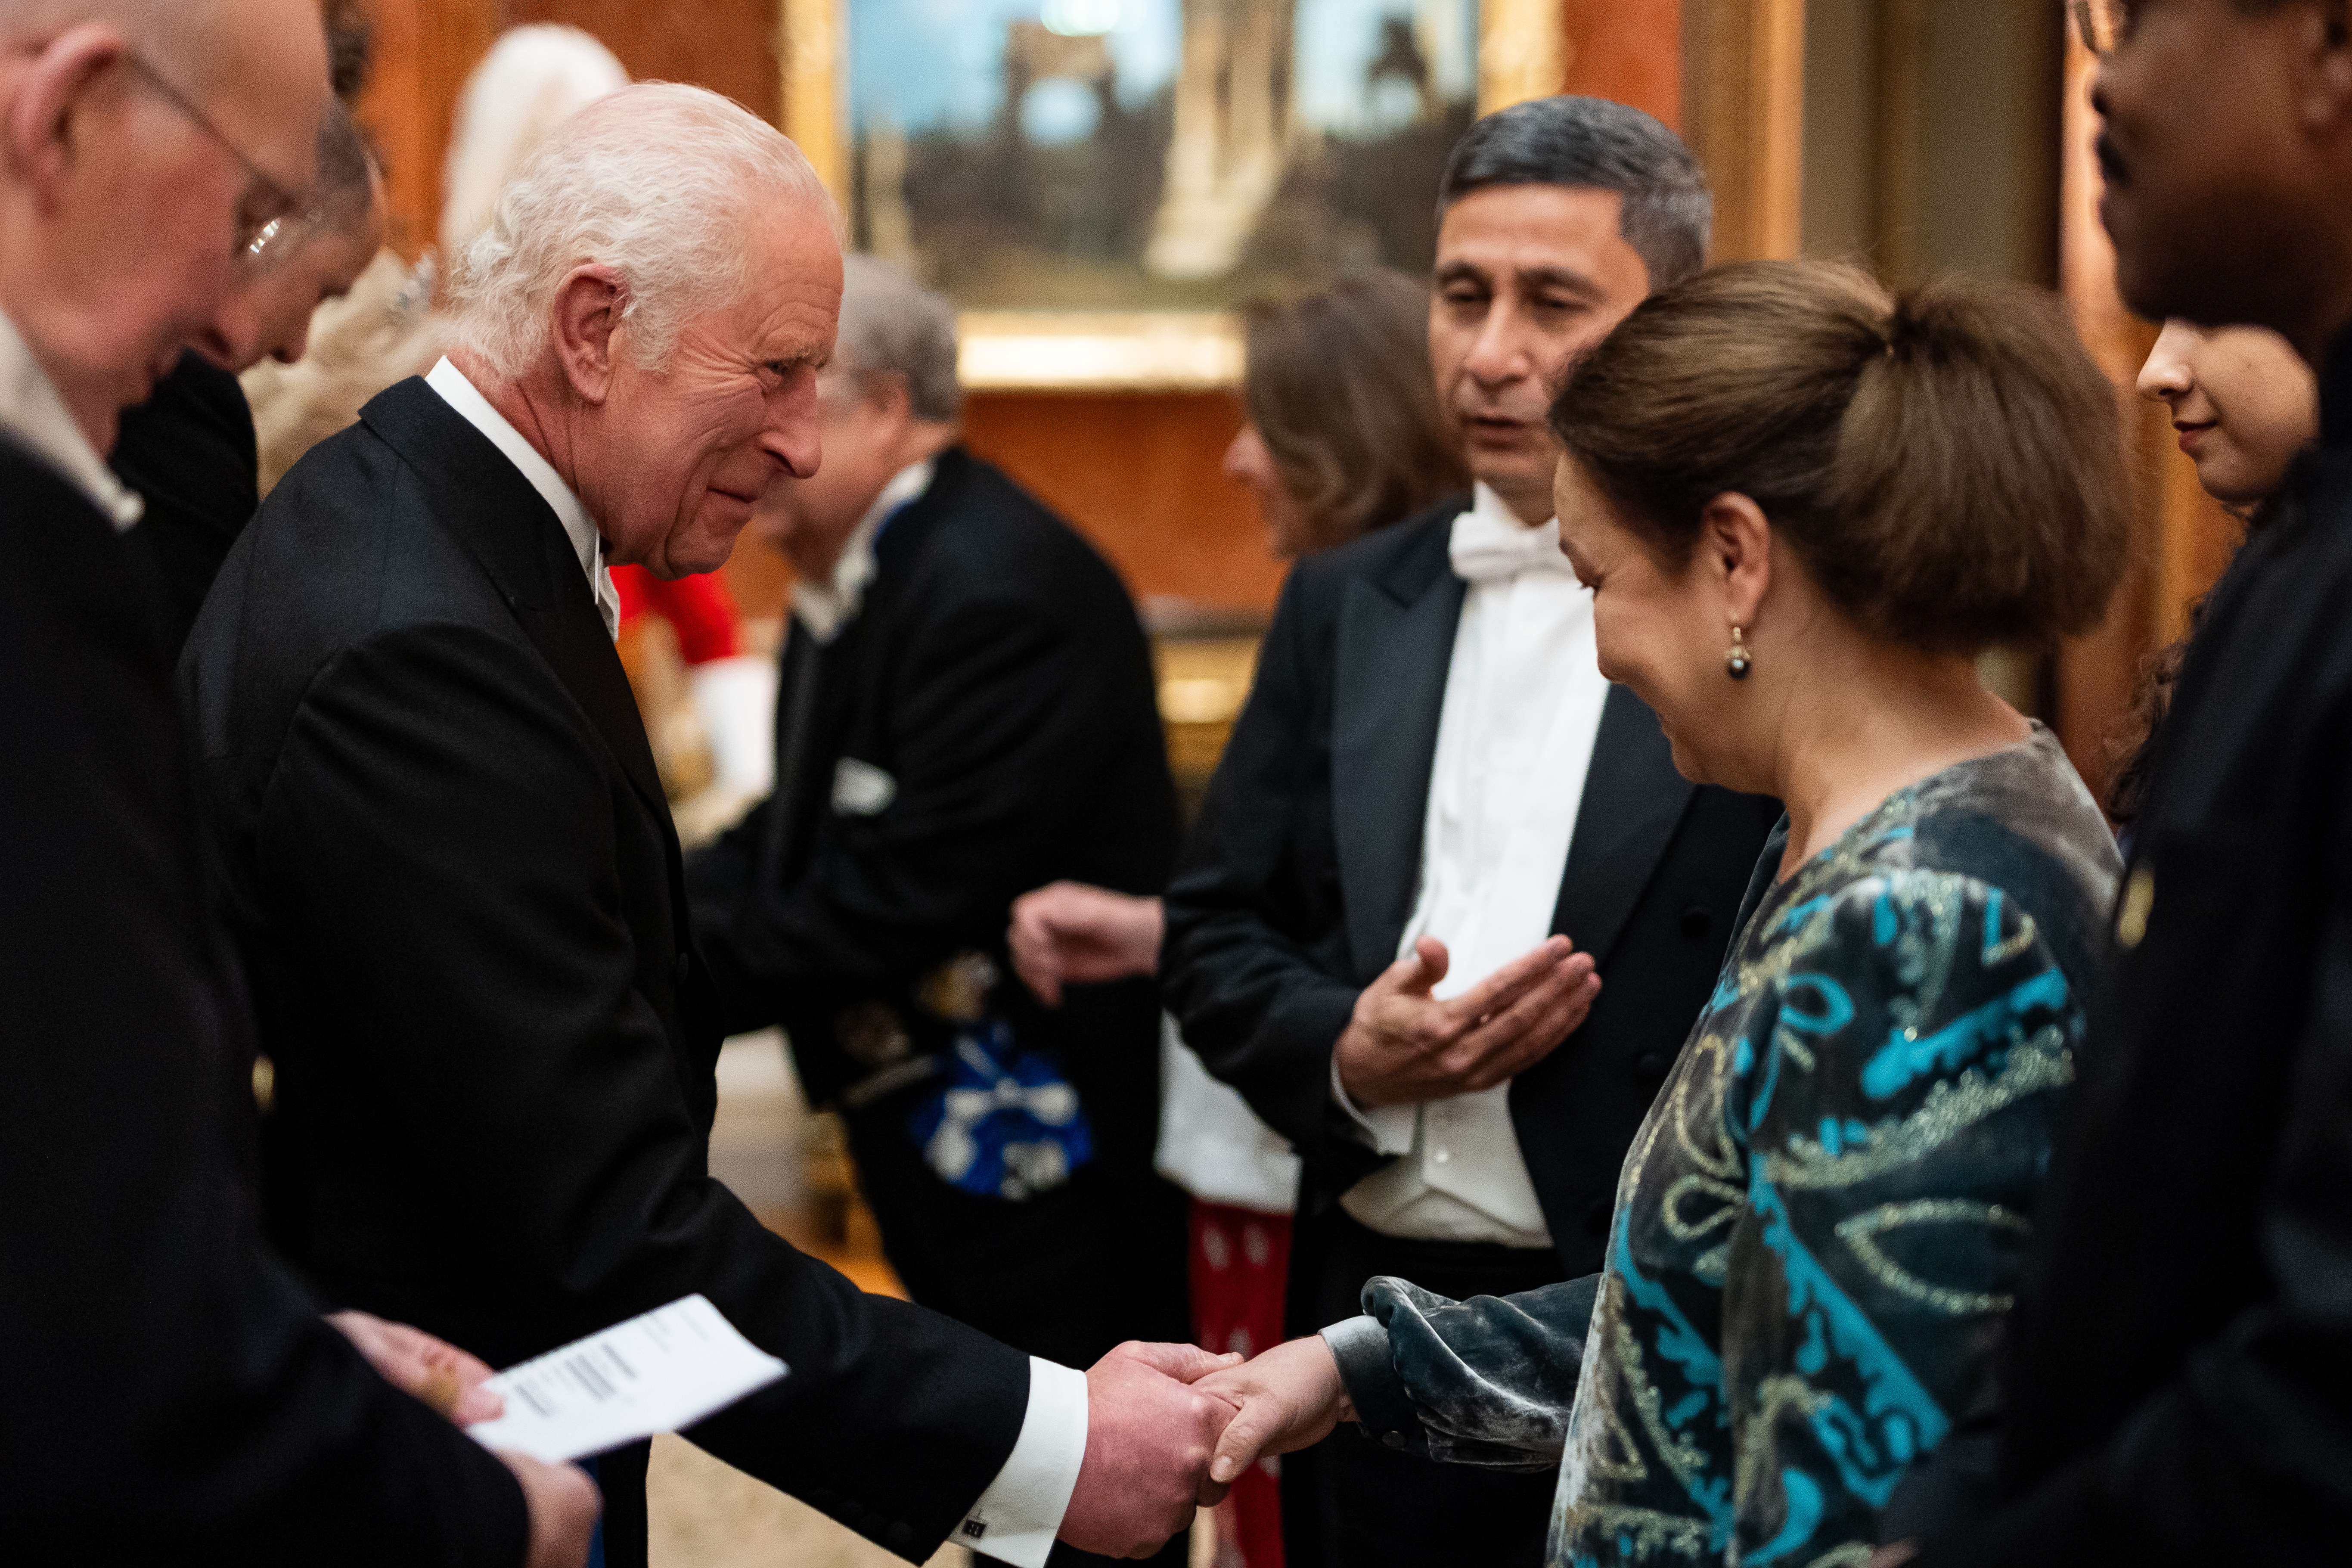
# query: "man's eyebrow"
1462, 272
1564, 279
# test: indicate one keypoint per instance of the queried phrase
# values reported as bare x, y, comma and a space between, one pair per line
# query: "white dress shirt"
475, 410
35, 415
823, 609
1522, 701
1017, 1517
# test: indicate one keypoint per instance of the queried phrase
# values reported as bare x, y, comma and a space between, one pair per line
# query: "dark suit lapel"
487, 505
1394, 646
1632, 799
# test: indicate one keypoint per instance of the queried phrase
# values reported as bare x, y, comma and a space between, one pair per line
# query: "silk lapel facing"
483, 502
1632, 799
1394, 646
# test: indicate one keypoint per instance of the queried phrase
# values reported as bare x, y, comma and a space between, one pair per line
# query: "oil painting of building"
1151, 154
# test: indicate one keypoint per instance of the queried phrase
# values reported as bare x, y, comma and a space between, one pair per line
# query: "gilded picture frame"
1519, 53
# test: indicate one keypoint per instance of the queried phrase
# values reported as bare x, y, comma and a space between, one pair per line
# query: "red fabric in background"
699, 608
1240, 1259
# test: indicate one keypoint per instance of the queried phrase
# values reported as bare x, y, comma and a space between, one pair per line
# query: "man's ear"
1735, 548
53, 104
2325, 46
587, 307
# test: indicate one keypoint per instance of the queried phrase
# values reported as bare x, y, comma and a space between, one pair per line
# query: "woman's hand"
1287, 1399
1070, 934
423, 1367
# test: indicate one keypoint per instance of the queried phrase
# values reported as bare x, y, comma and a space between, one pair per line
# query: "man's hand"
425, 1368
1148, 1438
1287, 1399
1070, 934
563, 1504
1403, 1047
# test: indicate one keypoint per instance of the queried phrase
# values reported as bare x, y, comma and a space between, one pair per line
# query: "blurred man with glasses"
170, 1393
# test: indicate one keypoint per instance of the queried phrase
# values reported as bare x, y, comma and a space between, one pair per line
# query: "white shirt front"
33, 412
1523, 699
1017, 1517
464, 396
825, 607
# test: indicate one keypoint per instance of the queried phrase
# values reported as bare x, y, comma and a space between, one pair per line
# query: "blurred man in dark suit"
967, 712
188, 450
2179, 1387
455, 877
170, 1393
1436, 817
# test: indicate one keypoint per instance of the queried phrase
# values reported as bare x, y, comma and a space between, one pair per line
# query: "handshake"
1170, 1426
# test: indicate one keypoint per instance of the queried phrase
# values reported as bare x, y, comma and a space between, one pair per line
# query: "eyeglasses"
271, 220
2102, 24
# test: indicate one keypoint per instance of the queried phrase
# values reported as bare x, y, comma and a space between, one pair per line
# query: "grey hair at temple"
659, 181
1601, 145
892, 324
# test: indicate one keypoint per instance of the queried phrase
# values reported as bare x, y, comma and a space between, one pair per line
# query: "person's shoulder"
1419, 540
979, 534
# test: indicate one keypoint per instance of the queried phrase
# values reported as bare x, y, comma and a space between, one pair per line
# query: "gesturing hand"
1071, 933
423, 1367
1403, 1047
1148, 1438
1287, 1399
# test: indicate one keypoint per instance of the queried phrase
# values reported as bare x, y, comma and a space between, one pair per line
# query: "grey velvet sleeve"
1488, 1382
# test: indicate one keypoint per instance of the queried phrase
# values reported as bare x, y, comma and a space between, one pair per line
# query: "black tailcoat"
1296, 885
168, 1393
2180, 1385
453, 873
189, 452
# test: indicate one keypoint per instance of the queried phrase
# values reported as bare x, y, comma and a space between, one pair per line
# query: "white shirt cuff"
1386, 1128
1018, 1516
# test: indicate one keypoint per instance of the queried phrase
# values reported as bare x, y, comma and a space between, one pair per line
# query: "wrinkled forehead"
790, 301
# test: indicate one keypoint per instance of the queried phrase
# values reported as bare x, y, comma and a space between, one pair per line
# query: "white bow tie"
1488, 549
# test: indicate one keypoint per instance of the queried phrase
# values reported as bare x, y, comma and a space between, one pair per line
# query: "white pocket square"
861, 789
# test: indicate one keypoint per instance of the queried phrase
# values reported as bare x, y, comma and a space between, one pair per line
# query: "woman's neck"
1860, 729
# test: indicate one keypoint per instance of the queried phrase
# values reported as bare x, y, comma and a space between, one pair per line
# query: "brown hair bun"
1947, 463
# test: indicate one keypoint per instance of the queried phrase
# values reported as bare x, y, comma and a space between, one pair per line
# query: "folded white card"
658, 1373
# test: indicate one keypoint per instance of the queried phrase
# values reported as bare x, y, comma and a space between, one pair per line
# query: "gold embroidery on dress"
1860, 1232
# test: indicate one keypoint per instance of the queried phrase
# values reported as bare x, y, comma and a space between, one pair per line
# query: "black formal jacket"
189, 452
2179, 1386
1298, 881
997, 674
453, 874
170, 1393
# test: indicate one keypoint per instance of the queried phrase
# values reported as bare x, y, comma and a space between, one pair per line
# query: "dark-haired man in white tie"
1436, 818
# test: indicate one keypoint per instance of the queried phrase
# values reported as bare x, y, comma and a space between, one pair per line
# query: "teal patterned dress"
1820, 1224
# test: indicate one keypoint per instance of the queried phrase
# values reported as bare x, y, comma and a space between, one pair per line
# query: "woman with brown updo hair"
1803, 506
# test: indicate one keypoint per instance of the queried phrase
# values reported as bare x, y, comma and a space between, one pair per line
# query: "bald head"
141, 144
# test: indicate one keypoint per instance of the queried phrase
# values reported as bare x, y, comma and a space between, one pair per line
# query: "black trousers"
1065, 1276
1348, 1503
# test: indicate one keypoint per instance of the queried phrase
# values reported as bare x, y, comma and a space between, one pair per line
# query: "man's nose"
1496, 353
232, 339
792, 434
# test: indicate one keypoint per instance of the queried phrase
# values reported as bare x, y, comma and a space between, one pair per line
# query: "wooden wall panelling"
1743, 108
422, 51
1137, 473
1629, 50
727, 46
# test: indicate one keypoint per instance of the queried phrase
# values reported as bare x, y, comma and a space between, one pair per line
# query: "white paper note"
658, 1373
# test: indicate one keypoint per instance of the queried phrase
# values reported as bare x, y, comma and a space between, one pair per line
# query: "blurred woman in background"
2244, 404
1343, 433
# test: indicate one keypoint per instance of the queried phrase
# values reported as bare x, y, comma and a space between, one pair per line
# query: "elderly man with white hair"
171, 1393
453, 873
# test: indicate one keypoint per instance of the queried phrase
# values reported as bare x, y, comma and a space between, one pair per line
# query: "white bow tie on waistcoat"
1487, 548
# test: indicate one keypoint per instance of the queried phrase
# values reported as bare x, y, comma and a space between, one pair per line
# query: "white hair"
660, 183
534, 79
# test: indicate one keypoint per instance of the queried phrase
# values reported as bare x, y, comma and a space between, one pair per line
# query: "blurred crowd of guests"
1640, 1058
